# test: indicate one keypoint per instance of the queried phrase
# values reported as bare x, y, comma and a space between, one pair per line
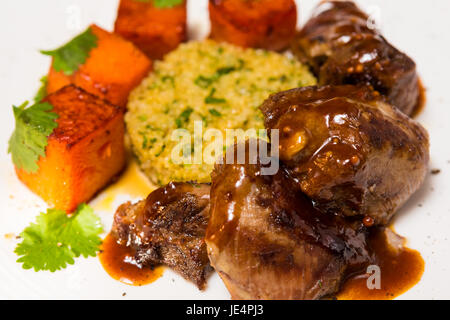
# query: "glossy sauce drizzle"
132, 183
118, 261
400, 270
421, 101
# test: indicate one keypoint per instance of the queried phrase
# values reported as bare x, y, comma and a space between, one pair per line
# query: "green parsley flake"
164, 3
30, 137
42, 92
210, 99
56, 239
184, 117
215, 113
205, 82
74, 53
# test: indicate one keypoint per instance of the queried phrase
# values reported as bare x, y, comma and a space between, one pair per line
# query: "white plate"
416, 27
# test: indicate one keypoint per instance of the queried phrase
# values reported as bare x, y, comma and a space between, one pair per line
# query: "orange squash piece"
265, 24
156, 31
111, 71
84, 152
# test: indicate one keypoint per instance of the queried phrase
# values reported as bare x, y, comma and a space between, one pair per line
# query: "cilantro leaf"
164, 3
42, 92
74, 53
30, 137
56, 239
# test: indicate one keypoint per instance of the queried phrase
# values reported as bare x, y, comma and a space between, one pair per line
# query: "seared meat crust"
169, 228
348, 150
341, 47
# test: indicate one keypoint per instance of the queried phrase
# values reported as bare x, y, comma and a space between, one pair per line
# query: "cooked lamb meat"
341, 49
348, 150
169, 228
267, 241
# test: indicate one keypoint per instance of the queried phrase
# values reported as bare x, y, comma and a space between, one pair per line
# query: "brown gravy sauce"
118, 261
400, 271
421, 101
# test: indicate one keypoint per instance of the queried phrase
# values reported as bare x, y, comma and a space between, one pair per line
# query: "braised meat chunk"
169, 228
341, 46
267, 241
348, 150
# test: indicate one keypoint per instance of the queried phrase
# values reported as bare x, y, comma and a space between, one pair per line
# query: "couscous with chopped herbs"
216, 83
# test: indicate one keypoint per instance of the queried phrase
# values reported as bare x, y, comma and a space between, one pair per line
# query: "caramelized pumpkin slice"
113, 68
156, 30
263, 24
84, 152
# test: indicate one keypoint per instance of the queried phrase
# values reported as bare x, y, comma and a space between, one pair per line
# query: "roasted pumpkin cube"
84, 152
265, 24
156, 31
114, 67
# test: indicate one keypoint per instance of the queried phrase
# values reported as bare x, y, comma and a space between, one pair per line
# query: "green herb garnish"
183, 118
168, 78
42, 92
30, 137
161, 151
163, 3
225, 70
143, 118
205, 82
210, 99
146, 143
215, 113
56, 239
74, 53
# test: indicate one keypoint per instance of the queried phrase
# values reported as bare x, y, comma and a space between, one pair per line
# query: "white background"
420, 28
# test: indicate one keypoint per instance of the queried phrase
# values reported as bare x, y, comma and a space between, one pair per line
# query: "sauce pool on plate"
118, 261
400, 270
132, 183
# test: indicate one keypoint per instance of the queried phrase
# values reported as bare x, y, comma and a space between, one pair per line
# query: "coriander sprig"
30, 137
57, 238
